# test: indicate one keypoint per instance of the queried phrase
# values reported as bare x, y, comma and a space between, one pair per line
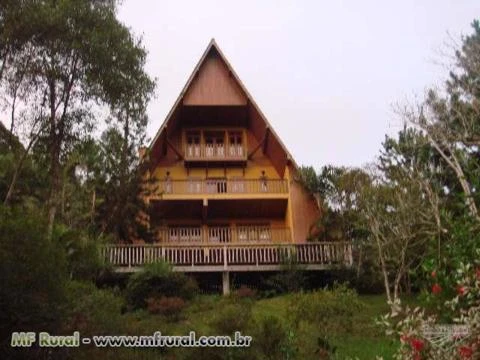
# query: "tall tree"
80, 56
450, 120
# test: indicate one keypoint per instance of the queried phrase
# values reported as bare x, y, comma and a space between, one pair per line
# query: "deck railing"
223, 186
215, 152
320, 253
241, 234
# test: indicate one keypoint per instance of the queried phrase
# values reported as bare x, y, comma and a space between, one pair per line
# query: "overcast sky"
325, 73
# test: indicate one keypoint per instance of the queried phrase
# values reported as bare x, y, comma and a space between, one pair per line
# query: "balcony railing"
215, 152
201, 257
223, 186
241, 234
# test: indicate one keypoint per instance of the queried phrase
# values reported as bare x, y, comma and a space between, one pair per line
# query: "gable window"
214, 144
235, 146
193, 144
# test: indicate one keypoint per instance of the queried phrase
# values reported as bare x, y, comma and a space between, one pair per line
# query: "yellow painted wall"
301, 210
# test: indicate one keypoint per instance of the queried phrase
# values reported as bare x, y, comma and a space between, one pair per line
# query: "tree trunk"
383, 266
54, 161
15, 174
92, 210
359, 261
454, 164
13, 183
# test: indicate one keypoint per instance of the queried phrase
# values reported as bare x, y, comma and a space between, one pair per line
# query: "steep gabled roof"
255, 110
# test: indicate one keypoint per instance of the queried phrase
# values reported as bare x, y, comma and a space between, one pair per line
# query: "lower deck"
230, 257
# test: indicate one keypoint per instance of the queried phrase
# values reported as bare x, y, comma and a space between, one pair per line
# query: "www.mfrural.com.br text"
44, 339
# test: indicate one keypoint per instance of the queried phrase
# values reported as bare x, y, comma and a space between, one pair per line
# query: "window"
235, 148
193, 144
214, 144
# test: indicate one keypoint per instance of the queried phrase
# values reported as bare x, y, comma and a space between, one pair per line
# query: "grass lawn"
363, 341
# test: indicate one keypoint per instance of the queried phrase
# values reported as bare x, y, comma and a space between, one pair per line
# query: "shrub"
290, 279
32, 273
320, 307
245, 292
170, 307
272, 339
93, 310
157, 280
412, 326
83, 256
234, 316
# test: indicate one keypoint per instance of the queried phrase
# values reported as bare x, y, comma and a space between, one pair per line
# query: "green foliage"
120, 189
271, 339
459, 304
59, 78
84, 261
232, 316
290, 278
332, 310
93, 311
157, 280
32, 272
171, 307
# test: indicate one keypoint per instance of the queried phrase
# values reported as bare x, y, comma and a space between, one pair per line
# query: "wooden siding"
214, 85
304, 209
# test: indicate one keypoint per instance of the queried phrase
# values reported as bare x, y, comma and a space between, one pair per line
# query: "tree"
121, 190
70, 75
400, 224
449, 119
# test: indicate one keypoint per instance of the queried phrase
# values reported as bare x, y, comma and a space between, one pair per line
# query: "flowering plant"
423, 335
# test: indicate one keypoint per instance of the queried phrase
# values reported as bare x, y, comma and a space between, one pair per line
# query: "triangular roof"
213, 46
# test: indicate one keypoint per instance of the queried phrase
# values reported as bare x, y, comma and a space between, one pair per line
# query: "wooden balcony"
242, 234
222, 187
215, 146
215, 152
246, 257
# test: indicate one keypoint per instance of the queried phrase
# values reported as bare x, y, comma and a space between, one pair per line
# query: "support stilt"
226, 282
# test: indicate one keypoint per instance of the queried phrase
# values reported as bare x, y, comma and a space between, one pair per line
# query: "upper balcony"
221, 188
215, 146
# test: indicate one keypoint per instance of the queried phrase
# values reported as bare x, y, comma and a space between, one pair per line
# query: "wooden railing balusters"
325, 253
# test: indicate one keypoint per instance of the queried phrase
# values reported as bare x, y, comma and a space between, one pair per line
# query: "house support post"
226, 283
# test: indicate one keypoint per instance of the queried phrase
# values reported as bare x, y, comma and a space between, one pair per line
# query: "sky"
325, 73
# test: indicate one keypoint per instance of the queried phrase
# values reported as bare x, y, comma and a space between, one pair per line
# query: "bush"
245, 292
170, 307
83, 255
234, 316
92, 310
320, 307
290, 279
32, 273
272, 341
157, 280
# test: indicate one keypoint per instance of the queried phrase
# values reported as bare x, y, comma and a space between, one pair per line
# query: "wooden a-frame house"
226, 196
